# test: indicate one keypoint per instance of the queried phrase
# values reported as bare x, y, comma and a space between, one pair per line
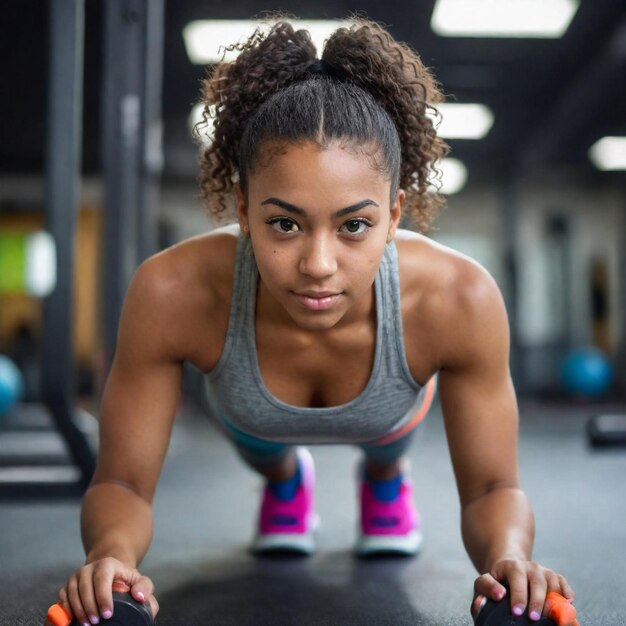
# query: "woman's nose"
318, 258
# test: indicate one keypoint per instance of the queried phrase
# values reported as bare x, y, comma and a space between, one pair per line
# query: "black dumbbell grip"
127, 612
499, 614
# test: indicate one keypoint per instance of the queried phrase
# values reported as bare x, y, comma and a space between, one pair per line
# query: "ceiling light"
609, 153
503, 18
462, 121
205, 40
453, 176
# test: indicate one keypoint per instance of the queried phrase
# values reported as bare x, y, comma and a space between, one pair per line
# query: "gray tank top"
237, 394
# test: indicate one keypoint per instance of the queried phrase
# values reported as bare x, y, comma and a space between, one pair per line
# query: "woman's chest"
313, 372
309, 371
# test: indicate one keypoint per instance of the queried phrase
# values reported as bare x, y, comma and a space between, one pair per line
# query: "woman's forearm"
115, 522
498, 525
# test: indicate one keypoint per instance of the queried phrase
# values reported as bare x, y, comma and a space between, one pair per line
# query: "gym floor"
204, 514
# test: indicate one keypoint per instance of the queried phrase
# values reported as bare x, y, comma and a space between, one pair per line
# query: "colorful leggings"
261, 454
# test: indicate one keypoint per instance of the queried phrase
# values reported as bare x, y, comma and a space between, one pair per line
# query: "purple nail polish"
534, 616
518, 609
108, 614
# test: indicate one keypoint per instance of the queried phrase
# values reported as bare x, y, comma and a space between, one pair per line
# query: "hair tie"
324, 68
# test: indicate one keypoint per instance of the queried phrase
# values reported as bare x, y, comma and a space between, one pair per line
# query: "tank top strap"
244, 277
389, 306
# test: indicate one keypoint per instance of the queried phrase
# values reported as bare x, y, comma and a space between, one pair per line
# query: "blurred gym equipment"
132, 161
607, 430
11, 384
28, 474
27, 263
587, 372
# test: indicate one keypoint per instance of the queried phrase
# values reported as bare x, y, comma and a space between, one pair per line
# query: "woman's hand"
528, 584
88, 593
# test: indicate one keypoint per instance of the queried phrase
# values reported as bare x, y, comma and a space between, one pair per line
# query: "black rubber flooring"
204, 516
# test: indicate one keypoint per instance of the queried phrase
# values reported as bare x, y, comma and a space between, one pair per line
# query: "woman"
317, 320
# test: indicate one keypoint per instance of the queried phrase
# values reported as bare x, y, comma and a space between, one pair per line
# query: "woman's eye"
284, 225
356, 227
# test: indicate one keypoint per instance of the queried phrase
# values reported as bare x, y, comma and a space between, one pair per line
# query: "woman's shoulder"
216, 248
191, 278
202, 264
426, 263
183, 293
446, 284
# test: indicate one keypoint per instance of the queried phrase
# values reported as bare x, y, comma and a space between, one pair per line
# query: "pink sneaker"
289, 525
389, 527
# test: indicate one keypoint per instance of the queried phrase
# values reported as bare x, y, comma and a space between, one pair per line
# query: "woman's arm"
481, 420
136, 417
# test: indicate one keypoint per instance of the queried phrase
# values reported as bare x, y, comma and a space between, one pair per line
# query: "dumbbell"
499, 613
126, 611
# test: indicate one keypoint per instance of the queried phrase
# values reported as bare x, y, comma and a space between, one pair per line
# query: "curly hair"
378, 94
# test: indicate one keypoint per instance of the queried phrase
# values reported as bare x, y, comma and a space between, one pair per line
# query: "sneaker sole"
287, 542
408, 545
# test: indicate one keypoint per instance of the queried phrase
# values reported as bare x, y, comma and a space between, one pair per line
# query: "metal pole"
131, 140
620, 355
63, 164
151, 129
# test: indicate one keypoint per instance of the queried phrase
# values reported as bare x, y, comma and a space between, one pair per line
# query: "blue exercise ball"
11, 384
587, 372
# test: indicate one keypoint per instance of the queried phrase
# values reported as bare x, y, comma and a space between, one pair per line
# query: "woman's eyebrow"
298, 211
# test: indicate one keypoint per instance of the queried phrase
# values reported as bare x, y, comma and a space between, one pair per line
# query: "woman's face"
319, 220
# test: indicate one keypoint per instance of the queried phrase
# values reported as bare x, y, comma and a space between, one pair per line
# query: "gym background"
98, 171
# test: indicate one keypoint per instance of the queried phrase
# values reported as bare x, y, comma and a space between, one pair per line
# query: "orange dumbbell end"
561, 610
120, 586
58, 616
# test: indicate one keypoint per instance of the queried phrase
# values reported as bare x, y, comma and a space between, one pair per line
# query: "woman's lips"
317, 302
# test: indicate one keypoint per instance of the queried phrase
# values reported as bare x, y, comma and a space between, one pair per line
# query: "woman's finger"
488, 586
537, 588
103, 576
88, 596
74, 600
